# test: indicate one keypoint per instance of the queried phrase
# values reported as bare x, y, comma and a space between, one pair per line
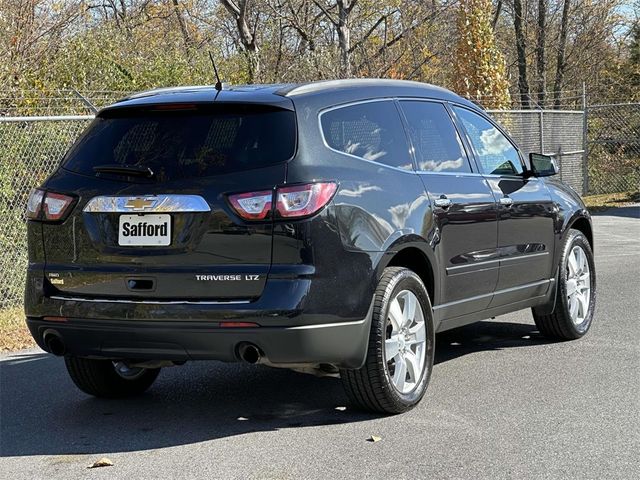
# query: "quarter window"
371, 131
495, 153
437, 145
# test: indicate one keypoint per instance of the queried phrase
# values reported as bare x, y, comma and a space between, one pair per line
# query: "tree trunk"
246, 36
496, 15
344, 38
562, 61
183, 29
541, 60
523, 83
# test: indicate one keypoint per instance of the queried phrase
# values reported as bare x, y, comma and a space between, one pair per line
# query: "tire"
571, 319
380, 386
101, 379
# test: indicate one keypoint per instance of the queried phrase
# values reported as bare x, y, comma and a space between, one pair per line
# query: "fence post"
585, 142
542, 131
559, 156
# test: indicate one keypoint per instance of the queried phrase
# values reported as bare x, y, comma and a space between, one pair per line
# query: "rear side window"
372, 131
187, 144
437, 145
495, 153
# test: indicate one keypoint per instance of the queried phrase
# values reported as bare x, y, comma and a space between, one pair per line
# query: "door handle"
443, 202
506, 201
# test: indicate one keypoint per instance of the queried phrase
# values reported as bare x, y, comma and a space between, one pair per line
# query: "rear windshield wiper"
132, 170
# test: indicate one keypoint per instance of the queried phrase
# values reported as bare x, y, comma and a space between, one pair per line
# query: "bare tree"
541, 60
32, 30
521, 49
561, 64
496, 15
177, 8
246, 34
341, 22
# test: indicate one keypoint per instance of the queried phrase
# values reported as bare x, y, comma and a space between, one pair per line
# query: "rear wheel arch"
415, 259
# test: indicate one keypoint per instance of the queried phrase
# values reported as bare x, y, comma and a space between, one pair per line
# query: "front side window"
436, 142
372, 131
495, 153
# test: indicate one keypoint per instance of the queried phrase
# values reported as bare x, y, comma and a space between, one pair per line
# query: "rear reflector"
55, 319
238, 324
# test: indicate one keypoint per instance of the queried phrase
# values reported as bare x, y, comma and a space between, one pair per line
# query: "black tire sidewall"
99, 378
407, 280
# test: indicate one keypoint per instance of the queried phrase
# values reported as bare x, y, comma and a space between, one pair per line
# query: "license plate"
144, 230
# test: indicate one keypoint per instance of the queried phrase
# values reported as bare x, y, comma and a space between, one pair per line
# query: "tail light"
34, 203
303, 200
48, 206
291, 202
253, 205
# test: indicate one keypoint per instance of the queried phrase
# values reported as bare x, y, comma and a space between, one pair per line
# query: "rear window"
188, 143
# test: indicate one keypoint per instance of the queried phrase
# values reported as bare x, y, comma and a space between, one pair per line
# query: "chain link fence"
614, 148
559, 133
22, 102
30, 149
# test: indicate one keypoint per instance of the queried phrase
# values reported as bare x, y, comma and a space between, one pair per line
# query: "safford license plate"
144, 230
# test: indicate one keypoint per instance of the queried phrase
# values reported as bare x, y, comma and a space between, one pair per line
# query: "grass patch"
596, 203
14, 334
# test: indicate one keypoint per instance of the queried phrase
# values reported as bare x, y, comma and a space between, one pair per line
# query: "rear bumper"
343, 343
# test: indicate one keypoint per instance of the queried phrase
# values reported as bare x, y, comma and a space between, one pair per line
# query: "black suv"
330, 227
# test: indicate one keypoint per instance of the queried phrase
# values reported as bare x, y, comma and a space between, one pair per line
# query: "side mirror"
542, 165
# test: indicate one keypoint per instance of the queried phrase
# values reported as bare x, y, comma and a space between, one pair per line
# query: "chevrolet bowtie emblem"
140, 203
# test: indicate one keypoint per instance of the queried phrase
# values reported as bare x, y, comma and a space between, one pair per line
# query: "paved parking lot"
503, 403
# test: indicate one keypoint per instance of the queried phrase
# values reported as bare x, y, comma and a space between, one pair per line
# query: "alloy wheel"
405, 343
578, 285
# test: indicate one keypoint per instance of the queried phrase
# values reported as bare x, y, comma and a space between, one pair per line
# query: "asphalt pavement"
503, 403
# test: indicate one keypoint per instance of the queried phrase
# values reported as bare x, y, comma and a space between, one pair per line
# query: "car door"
525, 212
464, 210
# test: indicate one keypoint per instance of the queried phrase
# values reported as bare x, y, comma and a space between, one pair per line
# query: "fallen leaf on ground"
103, 462
374, 438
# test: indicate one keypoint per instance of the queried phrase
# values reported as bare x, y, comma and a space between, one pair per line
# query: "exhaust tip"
249, 353
54, 343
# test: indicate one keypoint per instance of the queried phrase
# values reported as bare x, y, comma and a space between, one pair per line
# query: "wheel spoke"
413, 366
572, 287
573, 306
585, 278
583, 300
580, 260
395, 315
572, 264
409, 311
400, 374
418, 333
391, 347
